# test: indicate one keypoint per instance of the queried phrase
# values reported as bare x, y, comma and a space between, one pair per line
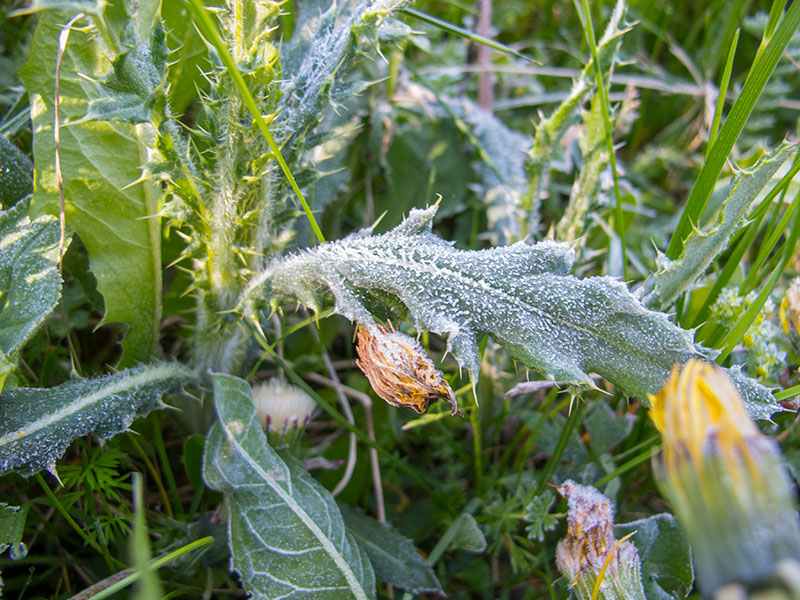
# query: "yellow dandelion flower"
724, 479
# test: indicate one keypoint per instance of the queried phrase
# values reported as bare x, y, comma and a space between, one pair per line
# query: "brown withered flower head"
400, 371
597, 565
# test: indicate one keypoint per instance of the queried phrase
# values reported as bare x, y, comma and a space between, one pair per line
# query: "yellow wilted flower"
595, 562
400, 371
726, 483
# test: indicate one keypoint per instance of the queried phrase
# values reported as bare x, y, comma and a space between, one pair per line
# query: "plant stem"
209, 31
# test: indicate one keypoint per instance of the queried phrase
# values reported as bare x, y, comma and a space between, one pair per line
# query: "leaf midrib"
128, 383
304, 517
483, 287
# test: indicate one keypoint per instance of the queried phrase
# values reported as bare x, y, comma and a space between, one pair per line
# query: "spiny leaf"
37, 425
30, 285
287, 536
115, 216
584, 190
522, 295
325, 44
131, 90
702, 247
392, 556
550, 130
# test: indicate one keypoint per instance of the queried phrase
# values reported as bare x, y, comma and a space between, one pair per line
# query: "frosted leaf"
30, 285
37, 425
702, 247
286, 534
523, 295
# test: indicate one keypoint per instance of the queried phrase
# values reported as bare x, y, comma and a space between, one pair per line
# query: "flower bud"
726, 484
283, 410
595, 562
400, 371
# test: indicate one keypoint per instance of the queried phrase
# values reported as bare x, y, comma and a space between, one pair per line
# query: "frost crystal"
522, 295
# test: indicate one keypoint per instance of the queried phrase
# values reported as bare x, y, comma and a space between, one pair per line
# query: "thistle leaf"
701, 247
287, 537
37, 425
550, 130
522, 295
325, 44
30, 285
393, 556
107, 203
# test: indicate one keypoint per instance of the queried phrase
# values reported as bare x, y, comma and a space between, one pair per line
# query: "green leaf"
37, 425
287, 536
12, 525
16, 173
392, 556
467, 535
130, 91
30, 285
538, 515
522, 295
666, 558
605, 429
701, 247
107, 204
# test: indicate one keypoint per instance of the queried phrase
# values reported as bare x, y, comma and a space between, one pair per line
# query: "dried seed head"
590, 550
400, 371
724, 479
282, 409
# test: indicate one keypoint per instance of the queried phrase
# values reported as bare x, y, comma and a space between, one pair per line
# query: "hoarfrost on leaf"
37, 425
522, 295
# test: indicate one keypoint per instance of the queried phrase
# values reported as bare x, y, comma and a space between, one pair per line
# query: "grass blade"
723, 92
757, 78
464, 33
209, 30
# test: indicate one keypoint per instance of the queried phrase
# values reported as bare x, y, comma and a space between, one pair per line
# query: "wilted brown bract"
399, 370
597, 565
